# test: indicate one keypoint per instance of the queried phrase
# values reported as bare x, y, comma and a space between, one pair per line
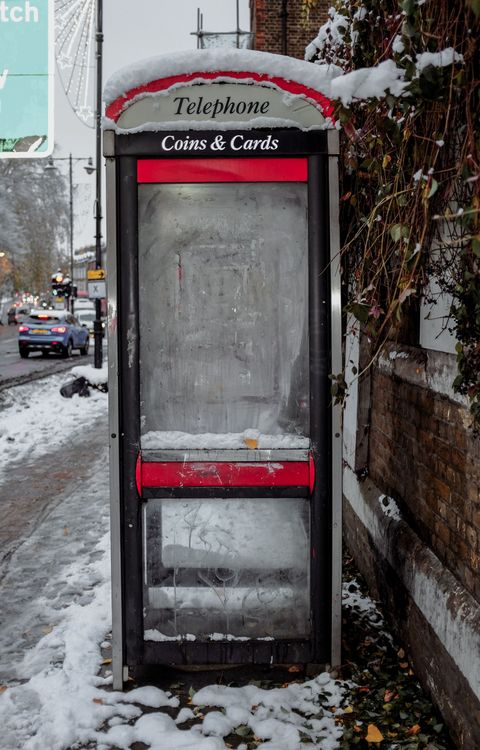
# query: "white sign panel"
215, 104
97, 289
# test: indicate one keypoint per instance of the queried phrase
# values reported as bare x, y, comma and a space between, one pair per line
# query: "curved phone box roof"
219, 89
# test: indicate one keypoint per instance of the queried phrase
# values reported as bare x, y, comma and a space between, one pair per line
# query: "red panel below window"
224, 474
222, 170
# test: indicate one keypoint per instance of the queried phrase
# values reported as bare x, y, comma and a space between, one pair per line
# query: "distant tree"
33, 221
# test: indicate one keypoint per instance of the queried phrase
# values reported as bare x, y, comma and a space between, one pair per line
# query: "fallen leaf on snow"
374, 734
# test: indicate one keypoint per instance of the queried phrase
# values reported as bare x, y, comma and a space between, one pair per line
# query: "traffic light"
67, 287
62, 285
57, 284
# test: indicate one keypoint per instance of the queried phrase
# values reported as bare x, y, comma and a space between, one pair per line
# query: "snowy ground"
35, 418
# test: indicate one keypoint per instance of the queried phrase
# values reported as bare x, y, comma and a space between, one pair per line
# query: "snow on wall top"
317, 77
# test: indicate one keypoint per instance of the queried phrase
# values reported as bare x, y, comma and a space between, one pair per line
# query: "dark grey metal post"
97, 325
238, 26
70, 180
319, 400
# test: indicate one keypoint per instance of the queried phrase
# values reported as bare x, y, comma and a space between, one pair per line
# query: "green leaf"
475, 6
243, 730
359, 311
433, 188
399, 231
408, 6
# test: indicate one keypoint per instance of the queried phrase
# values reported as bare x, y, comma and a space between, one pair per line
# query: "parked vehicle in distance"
84, 303
17, 314
86, 316
56, 331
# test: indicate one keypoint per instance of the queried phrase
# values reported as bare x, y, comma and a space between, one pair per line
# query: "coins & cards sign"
26, 78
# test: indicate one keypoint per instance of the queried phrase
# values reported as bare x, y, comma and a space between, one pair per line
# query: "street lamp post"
97, 325
89, 169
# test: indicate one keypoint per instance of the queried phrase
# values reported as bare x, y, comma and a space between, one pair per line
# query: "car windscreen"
86, 316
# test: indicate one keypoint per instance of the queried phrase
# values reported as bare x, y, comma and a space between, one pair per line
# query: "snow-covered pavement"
35, 419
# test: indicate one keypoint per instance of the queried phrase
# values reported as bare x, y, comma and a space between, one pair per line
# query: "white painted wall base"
447, 607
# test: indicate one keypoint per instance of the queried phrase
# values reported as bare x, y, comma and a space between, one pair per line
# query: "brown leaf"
106, 661
295, 668
374, 734
389, 694
415, 729
403, 665
66, 531
100, 701
401, 653
3, 688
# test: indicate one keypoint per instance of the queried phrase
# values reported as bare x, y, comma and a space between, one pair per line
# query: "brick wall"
424, 456
267, 23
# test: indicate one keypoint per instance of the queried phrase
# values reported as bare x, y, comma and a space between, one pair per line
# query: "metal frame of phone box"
310, 156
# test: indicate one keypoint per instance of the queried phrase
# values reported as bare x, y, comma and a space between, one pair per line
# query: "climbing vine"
411, 168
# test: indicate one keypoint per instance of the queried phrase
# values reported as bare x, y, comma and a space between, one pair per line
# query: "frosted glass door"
236, 568
223, 308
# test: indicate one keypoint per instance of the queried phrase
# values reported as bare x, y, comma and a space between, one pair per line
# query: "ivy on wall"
411, 168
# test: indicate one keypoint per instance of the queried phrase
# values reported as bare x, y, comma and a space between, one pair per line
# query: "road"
14, 370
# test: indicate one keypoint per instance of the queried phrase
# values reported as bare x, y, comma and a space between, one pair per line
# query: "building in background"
285, 27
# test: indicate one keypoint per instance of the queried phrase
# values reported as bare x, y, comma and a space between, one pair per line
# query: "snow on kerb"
160, 73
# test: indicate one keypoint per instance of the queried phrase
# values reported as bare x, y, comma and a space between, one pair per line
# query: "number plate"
40, 330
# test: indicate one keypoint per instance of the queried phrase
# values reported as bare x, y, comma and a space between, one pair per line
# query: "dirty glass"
236, 567
223, 308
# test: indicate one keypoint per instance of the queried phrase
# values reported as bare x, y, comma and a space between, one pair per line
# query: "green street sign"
26, 78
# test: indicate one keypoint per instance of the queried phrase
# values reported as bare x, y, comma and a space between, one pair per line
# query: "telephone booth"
224, 325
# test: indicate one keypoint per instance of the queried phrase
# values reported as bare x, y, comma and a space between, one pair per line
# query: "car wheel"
84, 349
67, 350
24, 353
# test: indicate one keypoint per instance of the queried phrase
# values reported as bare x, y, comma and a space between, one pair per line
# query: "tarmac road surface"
15, 370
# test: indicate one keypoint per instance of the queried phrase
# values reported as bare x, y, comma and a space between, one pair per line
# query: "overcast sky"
132, 31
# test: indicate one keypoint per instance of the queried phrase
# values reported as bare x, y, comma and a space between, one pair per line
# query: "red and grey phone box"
224, 325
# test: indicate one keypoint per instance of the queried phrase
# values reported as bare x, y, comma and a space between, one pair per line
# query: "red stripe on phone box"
225, 474
222, 170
